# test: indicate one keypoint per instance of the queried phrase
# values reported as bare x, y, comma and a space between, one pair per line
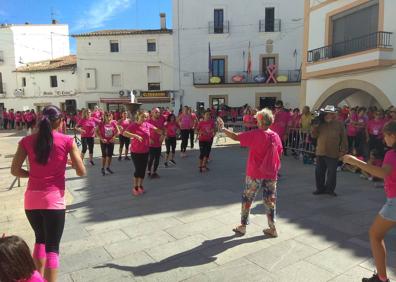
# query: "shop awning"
115, 100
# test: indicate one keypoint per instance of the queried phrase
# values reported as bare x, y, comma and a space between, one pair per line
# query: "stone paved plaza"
180, 230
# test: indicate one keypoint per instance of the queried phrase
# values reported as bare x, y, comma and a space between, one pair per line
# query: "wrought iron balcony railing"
378, 39
242, 77
270, 26
219, 28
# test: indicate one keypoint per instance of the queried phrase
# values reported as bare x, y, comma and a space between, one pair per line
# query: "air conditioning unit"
124, 93
19, 92
59, 92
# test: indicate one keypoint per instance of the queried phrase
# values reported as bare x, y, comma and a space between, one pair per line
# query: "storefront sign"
154, 94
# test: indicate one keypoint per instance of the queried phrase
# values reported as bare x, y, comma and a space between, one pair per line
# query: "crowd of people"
356, 137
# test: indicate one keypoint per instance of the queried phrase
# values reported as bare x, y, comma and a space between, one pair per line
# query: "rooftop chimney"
163, 21
54, 21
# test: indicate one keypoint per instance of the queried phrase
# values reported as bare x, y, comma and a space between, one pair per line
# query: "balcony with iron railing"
374, 40
219, 28
242, 77
270, 26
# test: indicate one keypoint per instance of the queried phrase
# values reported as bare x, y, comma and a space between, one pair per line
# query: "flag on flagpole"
210, 68
249, 61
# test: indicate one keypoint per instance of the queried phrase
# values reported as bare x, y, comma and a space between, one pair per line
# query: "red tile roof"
124, 32
67, 62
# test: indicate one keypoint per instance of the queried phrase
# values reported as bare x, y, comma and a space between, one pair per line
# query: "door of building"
218, 66
267, 102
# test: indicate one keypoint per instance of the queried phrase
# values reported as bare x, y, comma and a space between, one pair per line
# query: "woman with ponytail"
47, 152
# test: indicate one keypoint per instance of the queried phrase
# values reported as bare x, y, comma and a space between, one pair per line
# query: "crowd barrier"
299, 141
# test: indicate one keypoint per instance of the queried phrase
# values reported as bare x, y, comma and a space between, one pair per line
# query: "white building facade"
111, 64
349, 58
274, 31
21, 45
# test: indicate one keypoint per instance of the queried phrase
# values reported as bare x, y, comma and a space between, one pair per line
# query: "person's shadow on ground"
211, 247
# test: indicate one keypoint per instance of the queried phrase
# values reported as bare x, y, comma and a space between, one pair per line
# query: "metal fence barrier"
300, 141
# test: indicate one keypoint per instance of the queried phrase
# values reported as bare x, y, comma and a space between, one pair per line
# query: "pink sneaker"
141, 190
135, 191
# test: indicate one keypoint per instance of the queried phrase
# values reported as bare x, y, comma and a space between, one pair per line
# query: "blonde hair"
139, 113
85, 113
265, 117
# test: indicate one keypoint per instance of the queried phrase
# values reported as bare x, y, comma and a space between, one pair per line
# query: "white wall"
132, 61
191, 23
29, 43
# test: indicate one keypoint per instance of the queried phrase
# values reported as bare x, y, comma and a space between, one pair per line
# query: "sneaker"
334, 194
135, 191
270, 232
127, 158
317, 192
155, 175
173, 162
91, 162
109, 170
375, 278
141, 190
339, 168
149, 173
119, 158
103, 171
166, 164
363, 176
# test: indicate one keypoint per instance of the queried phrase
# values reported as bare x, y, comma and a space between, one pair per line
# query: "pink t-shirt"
97, 114
88, 125
143, 130
5, 115
281, 120
185, 121
375, 127
295, 121
390, 180
46, 185
351, 129
124, 123
18, 117
11, 115
155, 138
205, 130
108, 130
29, 117
171, 129
258, 142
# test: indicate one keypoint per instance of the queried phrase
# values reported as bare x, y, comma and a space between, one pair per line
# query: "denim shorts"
388, 211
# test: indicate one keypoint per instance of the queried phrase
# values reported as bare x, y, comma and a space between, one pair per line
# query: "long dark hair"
16, 263
44, 142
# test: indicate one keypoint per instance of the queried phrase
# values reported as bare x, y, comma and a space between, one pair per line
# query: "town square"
198, 140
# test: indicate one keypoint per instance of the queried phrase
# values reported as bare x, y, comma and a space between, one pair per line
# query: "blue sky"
88, 15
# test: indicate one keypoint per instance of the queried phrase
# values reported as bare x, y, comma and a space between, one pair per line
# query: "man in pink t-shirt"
281, 121
265, 149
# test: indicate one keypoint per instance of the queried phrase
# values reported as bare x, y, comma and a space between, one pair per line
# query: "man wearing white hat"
331, 145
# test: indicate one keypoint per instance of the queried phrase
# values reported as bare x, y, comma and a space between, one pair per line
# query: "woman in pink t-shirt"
374, 132
140, 132
16, 262
47, 152
205, 133
123, 124
171, 128
265, 149
386, 219
86, 126
185, 122
107, 132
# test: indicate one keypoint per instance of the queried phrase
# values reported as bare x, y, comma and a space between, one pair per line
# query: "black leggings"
204, 149
87, 143
107, 149
192, 131
124, 141
140, 163
185, 133
48, 227
170, 142
154, 156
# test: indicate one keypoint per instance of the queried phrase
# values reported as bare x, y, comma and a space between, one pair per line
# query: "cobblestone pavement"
180, 230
